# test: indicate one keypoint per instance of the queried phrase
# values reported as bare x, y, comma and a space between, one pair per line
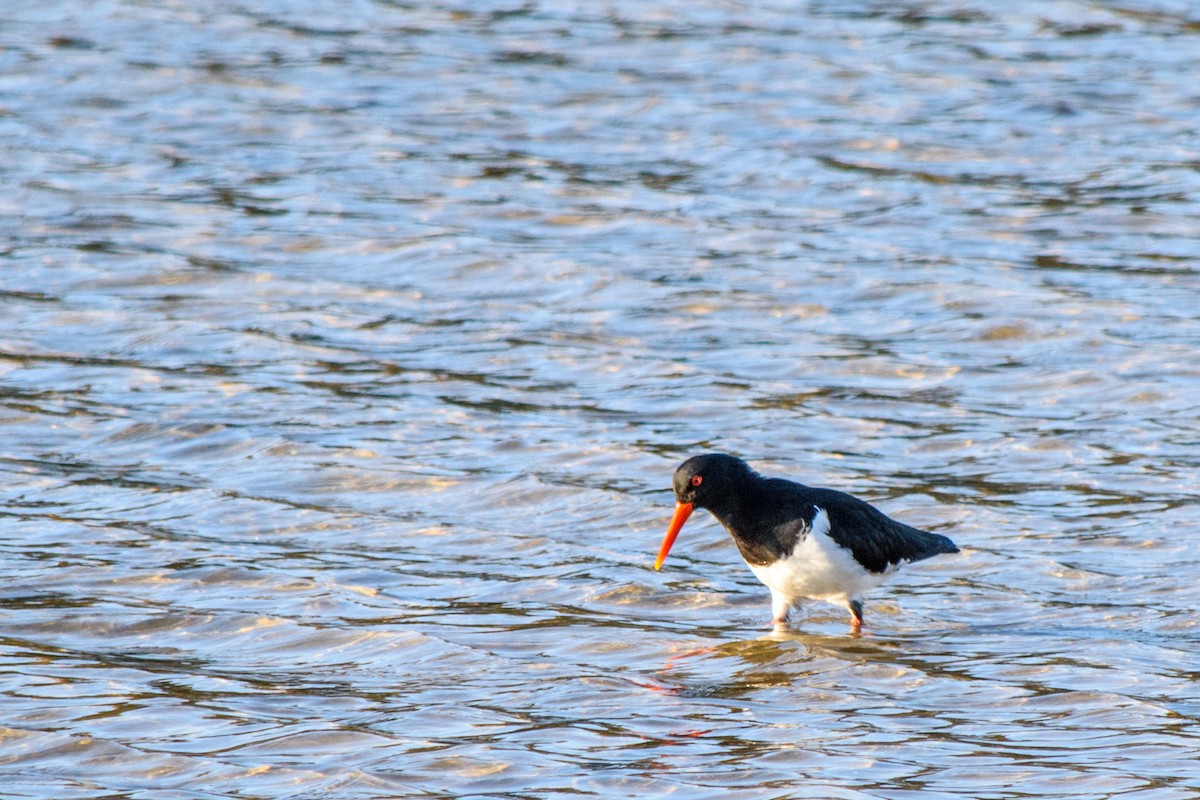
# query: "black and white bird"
800, 541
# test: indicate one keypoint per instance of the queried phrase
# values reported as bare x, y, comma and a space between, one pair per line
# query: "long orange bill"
682, 512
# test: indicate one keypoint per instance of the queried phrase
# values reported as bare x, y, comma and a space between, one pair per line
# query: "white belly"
819, 568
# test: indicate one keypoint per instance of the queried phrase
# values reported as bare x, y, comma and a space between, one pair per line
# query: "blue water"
348, 351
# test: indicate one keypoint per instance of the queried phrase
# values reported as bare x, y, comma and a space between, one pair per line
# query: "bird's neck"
752, 519
741, 511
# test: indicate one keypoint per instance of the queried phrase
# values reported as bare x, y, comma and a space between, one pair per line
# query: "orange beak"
682, 512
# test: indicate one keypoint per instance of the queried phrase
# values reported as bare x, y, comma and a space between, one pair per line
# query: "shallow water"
349, 349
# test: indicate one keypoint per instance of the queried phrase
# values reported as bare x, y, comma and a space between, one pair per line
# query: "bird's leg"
780, 606
856, 615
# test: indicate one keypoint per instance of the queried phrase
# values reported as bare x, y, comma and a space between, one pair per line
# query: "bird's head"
701, 482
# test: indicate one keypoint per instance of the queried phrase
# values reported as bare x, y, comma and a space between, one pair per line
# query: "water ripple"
348, 354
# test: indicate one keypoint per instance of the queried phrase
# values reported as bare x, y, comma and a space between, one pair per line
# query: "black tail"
928, 545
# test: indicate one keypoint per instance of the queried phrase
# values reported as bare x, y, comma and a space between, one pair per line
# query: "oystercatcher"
799, 541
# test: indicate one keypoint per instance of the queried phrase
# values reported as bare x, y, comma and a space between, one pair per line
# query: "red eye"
697, 480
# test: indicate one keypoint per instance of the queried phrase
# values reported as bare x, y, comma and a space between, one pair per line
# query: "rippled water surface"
348, 350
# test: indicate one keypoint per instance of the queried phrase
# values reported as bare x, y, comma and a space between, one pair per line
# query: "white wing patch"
819, 568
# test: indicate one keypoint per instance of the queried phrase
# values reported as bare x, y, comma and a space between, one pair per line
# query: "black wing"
876, 540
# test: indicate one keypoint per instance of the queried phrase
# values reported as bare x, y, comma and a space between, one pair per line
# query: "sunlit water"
348, 350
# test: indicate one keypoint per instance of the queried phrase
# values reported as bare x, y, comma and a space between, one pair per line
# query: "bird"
802, 542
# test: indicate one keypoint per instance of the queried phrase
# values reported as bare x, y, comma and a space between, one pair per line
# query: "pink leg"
856, 616
780, 607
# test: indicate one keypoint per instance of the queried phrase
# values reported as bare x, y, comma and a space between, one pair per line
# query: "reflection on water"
348, 353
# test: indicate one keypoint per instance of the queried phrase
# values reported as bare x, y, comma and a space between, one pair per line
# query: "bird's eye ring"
697, 480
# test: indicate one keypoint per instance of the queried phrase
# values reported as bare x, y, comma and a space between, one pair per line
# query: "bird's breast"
817, 567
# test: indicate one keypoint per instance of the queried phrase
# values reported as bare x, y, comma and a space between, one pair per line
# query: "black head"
708, 481
702, 480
